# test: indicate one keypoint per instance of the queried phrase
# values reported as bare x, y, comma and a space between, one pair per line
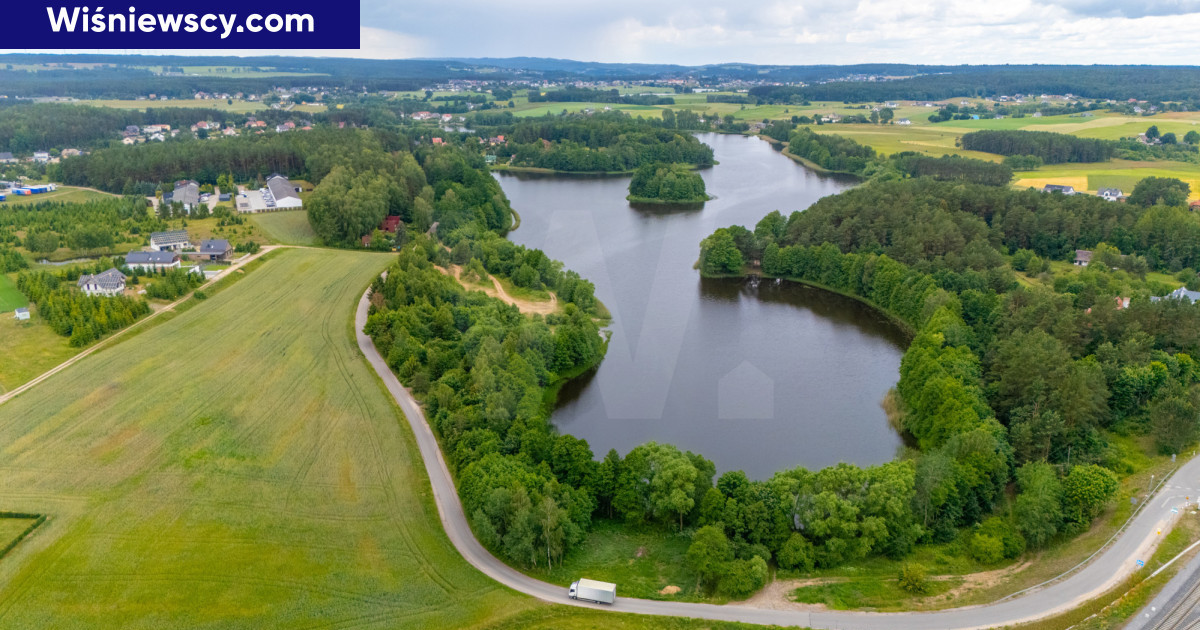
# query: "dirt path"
776, 595
497, 291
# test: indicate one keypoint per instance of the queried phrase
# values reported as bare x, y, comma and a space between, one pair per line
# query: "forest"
666, 183
1001, 382
88, 228
602, 142
1050, 147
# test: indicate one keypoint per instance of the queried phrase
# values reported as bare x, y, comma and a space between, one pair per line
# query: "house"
131, 130
175, 240
22, 314
1083, 257
285, 194
152, 261
71, 153
129, 140
437, 141
1111, 194
1181, 293
904, 121
390, 224
7, 158
41, 157
187, 192
108, 283
224, 197
214, 250
1058, 188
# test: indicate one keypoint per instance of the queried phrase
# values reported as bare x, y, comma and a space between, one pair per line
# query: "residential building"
187, 192
152, 261
1083, 257
1182, 293
214, 250
41, 156
390, 224
1111, 194
108, 283
285, 194
7, 158
175, 240
904, 121
1058, 188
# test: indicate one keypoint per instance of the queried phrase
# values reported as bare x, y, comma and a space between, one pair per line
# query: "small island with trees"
666, 183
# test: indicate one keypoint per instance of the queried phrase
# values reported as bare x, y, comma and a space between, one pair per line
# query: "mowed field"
236, 467
238, 107
289, 228
10, 297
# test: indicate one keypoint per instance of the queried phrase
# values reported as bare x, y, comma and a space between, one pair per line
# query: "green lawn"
878, 594
10, 297
28, 349
65, 194
640, 563
240, 466
287, 228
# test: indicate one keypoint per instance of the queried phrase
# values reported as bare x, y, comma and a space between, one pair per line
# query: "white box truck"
593, 591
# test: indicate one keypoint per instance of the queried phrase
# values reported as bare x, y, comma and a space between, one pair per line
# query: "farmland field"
10, 297
288, 228
238, 107
240, 466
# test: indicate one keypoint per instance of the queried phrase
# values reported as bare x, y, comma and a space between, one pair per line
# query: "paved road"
1104, 572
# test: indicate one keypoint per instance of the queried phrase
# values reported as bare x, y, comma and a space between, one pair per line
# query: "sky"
800, 32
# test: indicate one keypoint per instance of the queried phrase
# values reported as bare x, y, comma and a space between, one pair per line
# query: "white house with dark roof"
108, 283
1110, 194
284, 194
175, 240
1059, 188
152, 261
22, 314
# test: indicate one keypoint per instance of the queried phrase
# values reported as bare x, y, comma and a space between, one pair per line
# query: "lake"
755, 375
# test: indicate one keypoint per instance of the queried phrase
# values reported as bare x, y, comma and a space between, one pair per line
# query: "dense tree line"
27, 128
1050, 147
588, 95
671, 183
831, 152
71, 313
171, 284
88, 228
310, 155
609, 141
953, 168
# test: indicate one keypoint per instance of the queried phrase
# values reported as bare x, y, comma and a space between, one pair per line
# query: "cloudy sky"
784, 32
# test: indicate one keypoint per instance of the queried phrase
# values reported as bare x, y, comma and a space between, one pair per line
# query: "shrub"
986, 549
913, 578
743, 577
796, 554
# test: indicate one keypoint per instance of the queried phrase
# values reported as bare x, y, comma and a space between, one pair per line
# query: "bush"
986, 549
913, 578
796, 554
1011, 541
743, 577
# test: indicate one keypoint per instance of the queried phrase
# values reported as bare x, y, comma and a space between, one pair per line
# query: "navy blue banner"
190, 24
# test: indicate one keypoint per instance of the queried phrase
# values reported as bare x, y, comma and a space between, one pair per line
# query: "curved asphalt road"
1104, 572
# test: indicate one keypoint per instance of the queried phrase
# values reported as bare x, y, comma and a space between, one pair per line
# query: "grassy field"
642, 563
287, 228
238, 107
239, 466
28, 349
10, 297
878, 594
64, 194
